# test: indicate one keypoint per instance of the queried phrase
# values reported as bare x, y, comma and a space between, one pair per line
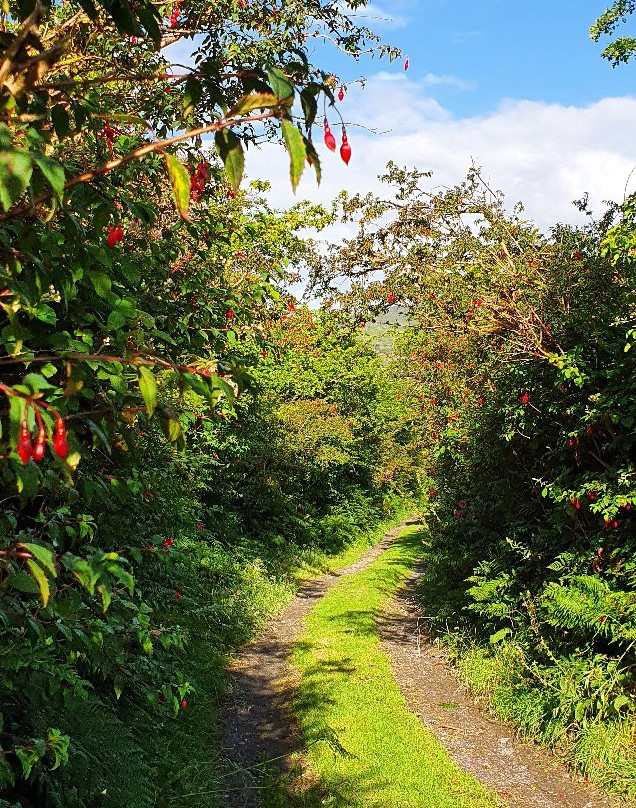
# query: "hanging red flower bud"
230, 314
345, 149
391, 298
406, 63
60, 444
40, 445
25, 448
341, 94
330, 141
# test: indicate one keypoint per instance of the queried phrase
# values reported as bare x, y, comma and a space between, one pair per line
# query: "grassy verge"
365, 748
602, 751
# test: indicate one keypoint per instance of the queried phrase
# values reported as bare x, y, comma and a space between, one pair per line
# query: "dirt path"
524, 774
259, 725
258, 722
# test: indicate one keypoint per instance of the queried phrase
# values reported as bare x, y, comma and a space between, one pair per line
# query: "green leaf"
312, 154
191, 95
281, 85
45, 313
150, 19
148, 387
295, 145
115, 320
500, 635
23, 582
61, 121
622, 701
180, 181
253, 101
230, 150
43, 555
101, 282
53, 172
43, 582
15, 174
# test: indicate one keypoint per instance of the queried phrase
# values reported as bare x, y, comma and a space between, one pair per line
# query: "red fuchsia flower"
627, 507
407, 64
390, 298
341, 94
345, 149
462, 505
200, 526
481, 402
578, 256
292, 305
525, 398
198, 180
184, 704
570, 442
330, 141
115, 235
576, 504
588, 430
168, 542
230, 314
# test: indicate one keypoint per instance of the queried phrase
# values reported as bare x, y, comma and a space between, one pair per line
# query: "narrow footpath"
261, 728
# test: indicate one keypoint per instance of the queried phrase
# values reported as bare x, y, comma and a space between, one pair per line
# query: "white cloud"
544, 155
433, 80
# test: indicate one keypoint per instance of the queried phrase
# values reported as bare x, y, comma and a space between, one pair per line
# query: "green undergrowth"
364, 747
228, 595
602, 750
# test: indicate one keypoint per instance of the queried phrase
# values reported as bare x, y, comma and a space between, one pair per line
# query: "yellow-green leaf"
295, 145
42, 581
148, 387
180, 181
253, 101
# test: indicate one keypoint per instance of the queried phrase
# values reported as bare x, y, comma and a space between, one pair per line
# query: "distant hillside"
381, 331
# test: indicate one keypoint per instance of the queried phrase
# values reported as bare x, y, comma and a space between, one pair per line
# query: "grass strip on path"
365, 748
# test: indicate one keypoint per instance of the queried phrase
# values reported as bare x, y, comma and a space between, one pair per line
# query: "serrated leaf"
230, 150
115, 320
148, 387
180, 181
312, 154
253, 101
281, 85
23, 582
42, 581
295, 145
101, 282
53, 172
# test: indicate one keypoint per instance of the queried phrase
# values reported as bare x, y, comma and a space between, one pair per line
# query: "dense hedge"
519, 367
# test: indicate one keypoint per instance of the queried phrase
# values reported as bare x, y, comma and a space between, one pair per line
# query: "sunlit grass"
365, 748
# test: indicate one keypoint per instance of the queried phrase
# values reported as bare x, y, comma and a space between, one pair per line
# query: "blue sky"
517, 88
497, 49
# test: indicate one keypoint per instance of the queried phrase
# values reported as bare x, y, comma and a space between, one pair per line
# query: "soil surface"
523, 774
259, 725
